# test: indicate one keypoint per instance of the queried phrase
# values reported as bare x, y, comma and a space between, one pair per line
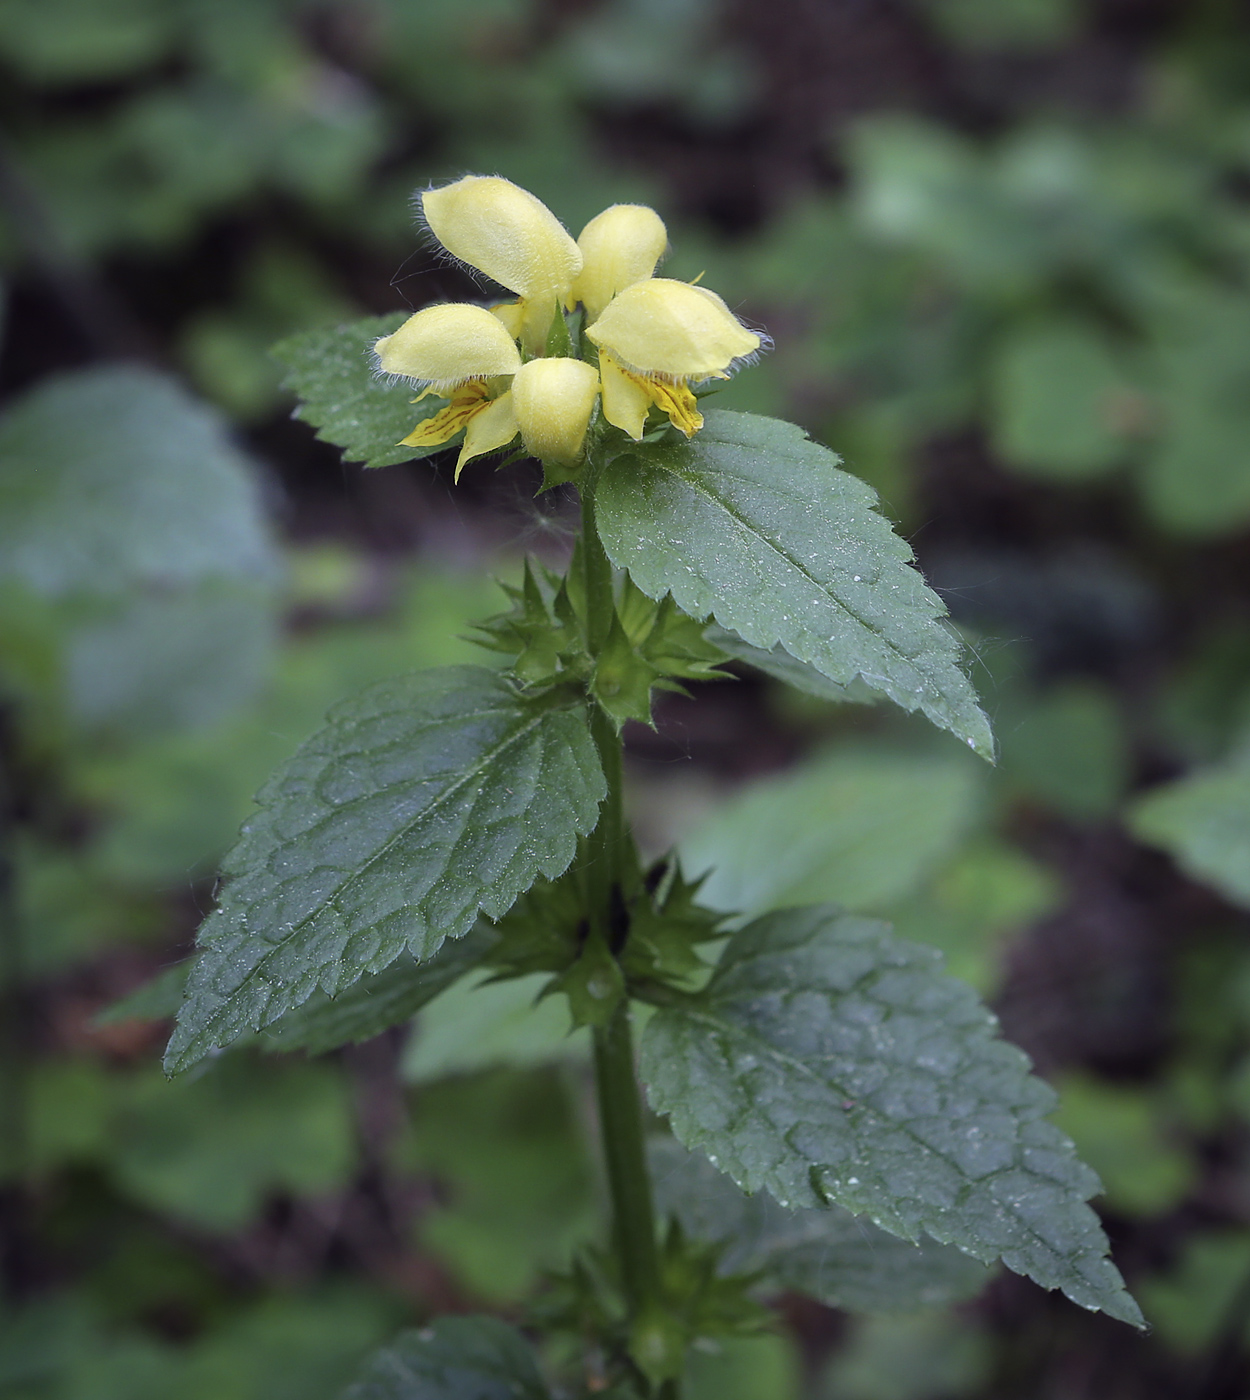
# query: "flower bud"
619, 247
553, 400
672, 329
447, 345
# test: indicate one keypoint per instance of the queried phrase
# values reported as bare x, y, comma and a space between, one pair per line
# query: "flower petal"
672, 328
626, 401
511, 316
447, 345
505, 232
679, 402
494, 427
627, 398
619, 247
553, 400
466, 403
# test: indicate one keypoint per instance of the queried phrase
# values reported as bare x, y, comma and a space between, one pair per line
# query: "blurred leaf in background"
1204, 821
210, 1150
909, 1358
507, 1149
1123, 1133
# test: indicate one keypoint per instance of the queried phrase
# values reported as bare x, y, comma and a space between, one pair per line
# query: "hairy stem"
606, 846
616, 1081
620, 1123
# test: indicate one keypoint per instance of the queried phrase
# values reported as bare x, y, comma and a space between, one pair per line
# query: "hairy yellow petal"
505, 232
625, 397
489, 430
447, 345
553, 400
466, 403
674, 329
619, 247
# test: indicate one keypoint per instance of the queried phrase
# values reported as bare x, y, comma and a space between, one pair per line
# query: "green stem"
600, 594
624, 1150
605, 848
616, 1081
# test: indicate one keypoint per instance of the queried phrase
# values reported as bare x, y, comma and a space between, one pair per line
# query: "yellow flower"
656, 337
464, 353
503, 231
455, 351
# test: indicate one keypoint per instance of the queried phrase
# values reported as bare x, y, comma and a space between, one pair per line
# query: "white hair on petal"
443, 256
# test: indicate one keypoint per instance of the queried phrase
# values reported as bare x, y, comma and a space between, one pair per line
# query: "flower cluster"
650, 338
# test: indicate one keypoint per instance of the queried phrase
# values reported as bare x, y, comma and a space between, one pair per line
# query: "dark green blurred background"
1003, 248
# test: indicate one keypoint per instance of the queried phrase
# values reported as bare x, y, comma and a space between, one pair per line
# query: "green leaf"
424, 801
622, 679
1203, 821
456, 1358
287, 1346
344, 398
484, 1024
378, 1002
156, 836
860, 826
1189, 1303
984, 894
781, 666
69, 1118
367, 1008
84, 41
829, 1062
828, 1253
753, 523
67, 909
152, 493
744, 1368
1015, 25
